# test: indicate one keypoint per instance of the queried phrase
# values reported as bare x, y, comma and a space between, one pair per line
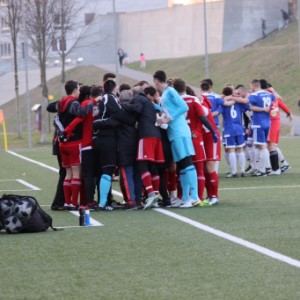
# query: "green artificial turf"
147, 255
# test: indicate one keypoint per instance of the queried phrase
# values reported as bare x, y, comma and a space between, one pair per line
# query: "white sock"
241, 161
264, 158
256, 158
173, 194
281, 157
246, 151
268, 161
251, 151
227, 158
232, 162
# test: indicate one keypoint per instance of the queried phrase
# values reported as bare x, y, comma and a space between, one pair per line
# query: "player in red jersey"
88, 156
274, 132
213, 155
150, 150
195, 118
71, 149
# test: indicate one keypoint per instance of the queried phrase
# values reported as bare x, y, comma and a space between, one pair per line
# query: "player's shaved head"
255, 83
179, 85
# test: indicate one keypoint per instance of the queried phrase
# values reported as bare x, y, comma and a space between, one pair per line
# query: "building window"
54, 45
5, 50
62, 45
89, 18
56, 19
57, 22
3, 2
4, 23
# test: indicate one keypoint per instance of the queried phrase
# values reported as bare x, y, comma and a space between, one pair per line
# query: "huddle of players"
163, 139
256, 138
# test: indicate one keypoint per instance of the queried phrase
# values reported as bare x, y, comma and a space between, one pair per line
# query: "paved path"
7, 82
124, 71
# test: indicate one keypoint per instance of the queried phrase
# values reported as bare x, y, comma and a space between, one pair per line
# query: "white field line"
33, 161
234, 239
23, 182
260, 187
119, 194
67, 227
23, 190
229, 237
93, 222
31, 186
221, 234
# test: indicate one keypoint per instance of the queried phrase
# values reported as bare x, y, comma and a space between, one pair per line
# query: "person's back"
285, 15
66, 117
174, 105
106, 143
70, 150
193, 114
214, 99
107, 107
180, 137
146, 116
126, 131
262, 99
232, 116
150, 151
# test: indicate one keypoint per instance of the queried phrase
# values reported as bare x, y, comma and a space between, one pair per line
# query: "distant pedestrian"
286, 18
121, 55
142, 61
263, 27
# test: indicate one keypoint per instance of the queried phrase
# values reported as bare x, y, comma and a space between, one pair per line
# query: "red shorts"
199, 150
150, 149
70, 153
212, 150
274, 131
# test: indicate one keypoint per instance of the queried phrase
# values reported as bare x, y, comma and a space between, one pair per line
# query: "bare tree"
39, 25
13, 12
66, 18
65, 21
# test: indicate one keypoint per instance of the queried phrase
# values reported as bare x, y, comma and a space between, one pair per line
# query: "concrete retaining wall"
179, 31
173, 32
96, 44
242, 20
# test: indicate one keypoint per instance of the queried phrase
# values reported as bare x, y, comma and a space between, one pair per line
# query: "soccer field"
247, 247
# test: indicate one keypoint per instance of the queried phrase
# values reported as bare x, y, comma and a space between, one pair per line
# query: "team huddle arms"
162, 141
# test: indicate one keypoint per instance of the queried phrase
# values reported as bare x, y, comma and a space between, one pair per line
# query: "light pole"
26, 78
298, 9
116, 41
205, 40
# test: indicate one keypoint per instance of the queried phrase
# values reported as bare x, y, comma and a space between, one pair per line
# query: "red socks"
200, 178
75, 187
212, 184
147, 182
155, 183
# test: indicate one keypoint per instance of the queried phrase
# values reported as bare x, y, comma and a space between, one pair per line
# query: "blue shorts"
235, 141
182, 147
260, 135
